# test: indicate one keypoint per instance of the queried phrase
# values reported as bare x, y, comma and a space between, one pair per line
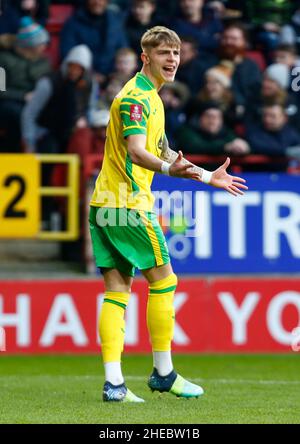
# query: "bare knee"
115, 280
157, 273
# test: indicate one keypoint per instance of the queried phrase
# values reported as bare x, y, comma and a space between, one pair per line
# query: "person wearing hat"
207, 134
56, 115
98, 27
275, 89
59, 104
24, 64
13, 10
216, 88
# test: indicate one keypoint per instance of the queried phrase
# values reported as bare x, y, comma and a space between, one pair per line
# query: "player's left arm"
218, 178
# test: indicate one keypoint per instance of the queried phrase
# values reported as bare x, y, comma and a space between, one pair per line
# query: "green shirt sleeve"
134, 115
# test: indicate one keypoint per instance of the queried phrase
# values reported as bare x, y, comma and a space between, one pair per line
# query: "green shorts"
127, 239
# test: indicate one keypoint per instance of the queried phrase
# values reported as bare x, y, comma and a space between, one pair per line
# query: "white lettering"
20, 319
63, 306
275, 225
236, 219
239, 315
274, 315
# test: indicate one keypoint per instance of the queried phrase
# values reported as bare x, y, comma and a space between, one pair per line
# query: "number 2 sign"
19, 195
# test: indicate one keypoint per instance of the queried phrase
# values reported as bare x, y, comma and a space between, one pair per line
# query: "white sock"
162, 361
113, 373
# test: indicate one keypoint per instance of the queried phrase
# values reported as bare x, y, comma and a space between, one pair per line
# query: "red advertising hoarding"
218, 315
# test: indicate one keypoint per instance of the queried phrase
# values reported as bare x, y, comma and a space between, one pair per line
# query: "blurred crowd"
236, 90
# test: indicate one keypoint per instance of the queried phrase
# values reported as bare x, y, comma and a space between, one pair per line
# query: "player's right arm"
218, 178
134, 115
181, 167
136, 147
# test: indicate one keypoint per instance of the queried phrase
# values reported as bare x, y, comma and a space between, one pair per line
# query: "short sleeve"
134, 115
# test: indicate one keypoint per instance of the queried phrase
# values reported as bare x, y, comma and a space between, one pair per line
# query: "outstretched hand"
221, 179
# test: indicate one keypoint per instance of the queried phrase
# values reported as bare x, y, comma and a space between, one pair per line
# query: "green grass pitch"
67, 389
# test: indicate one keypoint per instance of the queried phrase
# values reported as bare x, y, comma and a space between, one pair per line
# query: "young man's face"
163, 62
274, 118
233, 43
211, 121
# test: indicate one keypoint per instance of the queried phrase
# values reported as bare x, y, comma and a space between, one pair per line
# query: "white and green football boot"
175, 384
119, 393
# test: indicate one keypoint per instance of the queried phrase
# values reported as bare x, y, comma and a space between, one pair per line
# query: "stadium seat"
258, 58
52, 51
58, 14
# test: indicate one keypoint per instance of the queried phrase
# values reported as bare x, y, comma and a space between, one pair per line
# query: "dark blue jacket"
246, 81
9, 21
206, 33
104, 35
272, 142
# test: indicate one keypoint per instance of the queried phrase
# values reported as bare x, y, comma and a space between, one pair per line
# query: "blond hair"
157, 35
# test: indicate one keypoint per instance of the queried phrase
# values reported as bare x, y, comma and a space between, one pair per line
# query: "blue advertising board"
210, 231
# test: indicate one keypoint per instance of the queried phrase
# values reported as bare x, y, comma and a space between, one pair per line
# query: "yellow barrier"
19, 196
70, 191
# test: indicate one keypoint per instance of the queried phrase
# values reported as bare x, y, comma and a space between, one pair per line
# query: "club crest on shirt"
136, 112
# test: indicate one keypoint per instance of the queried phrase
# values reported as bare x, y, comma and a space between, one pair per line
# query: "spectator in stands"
207, 134
59, 104
14, 10
275, 90
287, 55
227, 9
174, 96
266, 18
216, 88
38, 10
192, 67
141, 18
290, 33
24, 65
245, 74
99, 121
101, 98
9, 20
76, 3
126, 64
166, 13
273, 136
100, 29
197, 22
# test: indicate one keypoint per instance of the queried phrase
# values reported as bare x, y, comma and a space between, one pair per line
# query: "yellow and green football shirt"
137, 109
